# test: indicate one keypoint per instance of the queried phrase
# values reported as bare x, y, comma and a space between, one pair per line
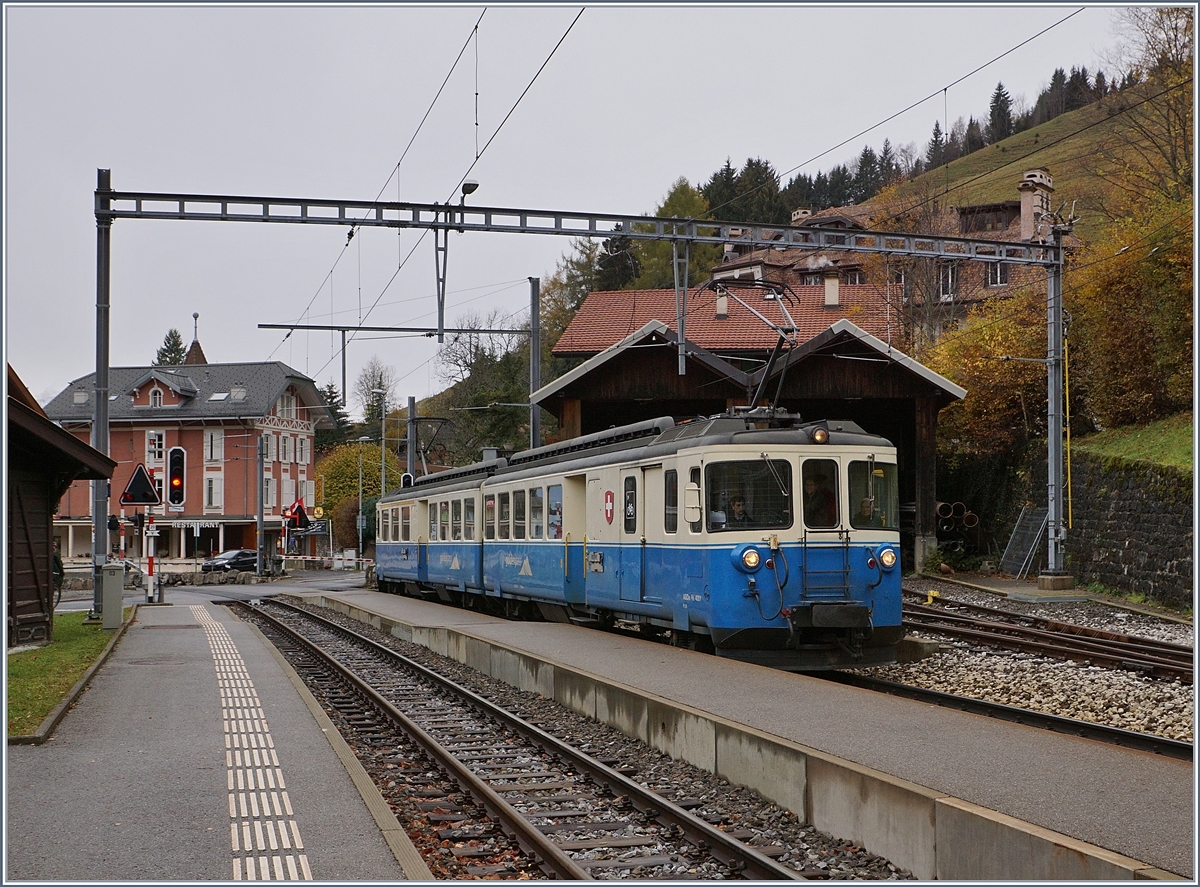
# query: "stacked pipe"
954, 516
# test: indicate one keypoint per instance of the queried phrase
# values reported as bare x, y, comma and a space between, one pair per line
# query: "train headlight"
887, 557
747, 558
820, 435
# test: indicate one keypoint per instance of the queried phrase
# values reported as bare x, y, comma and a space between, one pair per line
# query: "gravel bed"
733, 808
1069, 689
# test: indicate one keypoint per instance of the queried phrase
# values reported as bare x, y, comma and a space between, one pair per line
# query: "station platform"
135, 782
194, 756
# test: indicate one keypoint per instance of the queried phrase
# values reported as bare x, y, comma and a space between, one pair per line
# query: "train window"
820, 493
385, 524
749, 495
694, 477
404, 523
505, 515
433, 514
671, 501
518, 514
489, 517
469, 518
630, 505
535, 513
444, 522
874, 495
554, 519
395, 524
456, 519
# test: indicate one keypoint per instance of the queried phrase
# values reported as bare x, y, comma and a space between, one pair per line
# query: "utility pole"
100, 438
1055, 578
535, 361
410, 464
258, 564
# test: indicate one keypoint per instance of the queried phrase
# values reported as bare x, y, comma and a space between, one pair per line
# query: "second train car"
759, 537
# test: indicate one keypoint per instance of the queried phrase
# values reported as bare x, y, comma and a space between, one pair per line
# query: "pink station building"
215, 413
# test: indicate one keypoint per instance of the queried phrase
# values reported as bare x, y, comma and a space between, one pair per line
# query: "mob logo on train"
609, 505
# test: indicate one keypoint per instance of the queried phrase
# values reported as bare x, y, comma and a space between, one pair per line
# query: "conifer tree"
172, 351
1000, 122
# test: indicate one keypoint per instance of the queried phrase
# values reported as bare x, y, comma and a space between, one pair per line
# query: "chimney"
831, 287
1036, 186
799, 215
722, 304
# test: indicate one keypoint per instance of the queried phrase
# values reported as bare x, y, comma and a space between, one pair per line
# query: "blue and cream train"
638, 525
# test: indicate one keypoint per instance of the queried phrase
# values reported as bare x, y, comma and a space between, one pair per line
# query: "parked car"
234, 560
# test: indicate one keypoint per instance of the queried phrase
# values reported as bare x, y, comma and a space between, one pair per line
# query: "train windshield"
874, 495
755, 494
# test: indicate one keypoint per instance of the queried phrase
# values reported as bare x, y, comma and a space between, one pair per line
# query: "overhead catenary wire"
482, 151
393, 174
779, 177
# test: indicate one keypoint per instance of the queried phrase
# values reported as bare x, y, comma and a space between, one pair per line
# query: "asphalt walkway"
192, 756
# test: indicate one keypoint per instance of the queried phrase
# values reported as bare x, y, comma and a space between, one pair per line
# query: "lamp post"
361, 440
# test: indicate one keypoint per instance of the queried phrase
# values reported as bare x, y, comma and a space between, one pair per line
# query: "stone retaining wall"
1132, 528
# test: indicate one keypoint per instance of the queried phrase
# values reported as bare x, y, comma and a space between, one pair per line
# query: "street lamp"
361, 440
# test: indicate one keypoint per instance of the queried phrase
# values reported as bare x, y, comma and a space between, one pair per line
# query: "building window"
285, 448
158, 488
156, 397
80, 396
854, 276
812, 280
302, 450
997, 274
287, 407
214, 446
154, 446
948, 279
268, 493
212, 492
268, 447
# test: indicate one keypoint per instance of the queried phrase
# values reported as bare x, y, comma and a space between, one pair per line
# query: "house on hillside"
206, 419
43, 461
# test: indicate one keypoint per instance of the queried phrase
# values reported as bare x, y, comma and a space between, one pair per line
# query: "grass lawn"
1168, 442
38, 679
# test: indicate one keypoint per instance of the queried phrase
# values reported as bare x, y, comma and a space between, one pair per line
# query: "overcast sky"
322, 103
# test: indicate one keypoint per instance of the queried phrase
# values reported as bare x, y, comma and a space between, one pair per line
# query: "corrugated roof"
263, 384
606, 318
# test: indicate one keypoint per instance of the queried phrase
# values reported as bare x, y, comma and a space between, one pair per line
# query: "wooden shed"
43, 460
841, 373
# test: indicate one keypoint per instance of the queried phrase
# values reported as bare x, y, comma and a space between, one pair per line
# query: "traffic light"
114, 522
176, 471
139, 521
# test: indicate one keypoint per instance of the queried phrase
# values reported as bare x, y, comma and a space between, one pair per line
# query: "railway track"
508, 799
1046, 637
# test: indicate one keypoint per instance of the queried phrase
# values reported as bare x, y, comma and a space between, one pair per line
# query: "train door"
656, 502
566, 522
632, 536
421, 528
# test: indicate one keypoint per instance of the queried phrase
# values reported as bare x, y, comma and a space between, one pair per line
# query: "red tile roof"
605, 318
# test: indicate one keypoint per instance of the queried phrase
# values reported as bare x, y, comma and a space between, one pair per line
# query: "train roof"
654, 437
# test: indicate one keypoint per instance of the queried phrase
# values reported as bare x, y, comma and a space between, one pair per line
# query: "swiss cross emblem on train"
609, 505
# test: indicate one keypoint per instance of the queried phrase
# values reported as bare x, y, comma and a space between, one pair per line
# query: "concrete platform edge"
51, 721
927, 832
397, 839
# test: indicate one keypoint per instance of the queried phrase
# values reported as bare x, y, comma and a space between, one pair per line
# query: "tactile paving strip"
264, 837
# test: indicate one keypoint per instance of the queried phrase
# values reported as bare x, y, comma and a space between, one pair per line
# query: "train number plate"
595, 562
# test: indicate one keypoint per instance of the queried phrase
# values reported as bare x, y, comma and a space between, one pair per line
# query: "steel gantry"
681, 233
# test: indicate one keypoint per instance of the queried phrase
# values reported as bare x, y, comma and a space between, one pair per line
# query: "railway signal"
176, 475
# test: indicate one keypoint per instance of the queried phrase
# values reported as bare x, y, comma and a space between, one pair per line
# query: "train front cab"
810, 579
